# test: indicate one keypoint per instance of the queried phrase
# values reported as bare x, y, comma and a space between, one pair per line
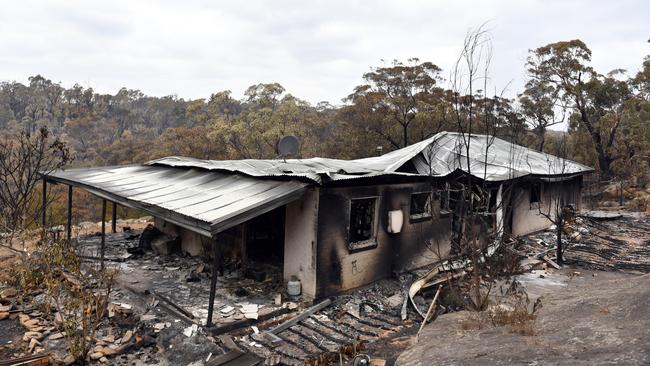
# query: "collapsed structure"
337, 224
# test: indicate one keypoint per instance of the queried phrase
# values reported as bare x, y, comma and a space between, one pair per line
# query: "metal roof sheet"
491, 158
203, 201
208, 196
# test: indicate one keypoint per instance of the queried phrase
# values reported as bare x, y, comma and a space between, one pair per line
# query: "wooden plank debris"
234, 357
550, 261
247, 322
228, 342
271, 335
172, 304
31, 360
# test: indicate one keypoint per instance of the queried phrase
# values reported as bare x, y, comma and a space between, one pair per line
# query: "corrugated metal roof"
208, 196
205, 202
491, 158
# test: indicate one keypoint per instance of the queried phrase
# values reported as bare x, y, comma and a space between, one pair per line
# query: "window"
361, 233
420, 206
535, 194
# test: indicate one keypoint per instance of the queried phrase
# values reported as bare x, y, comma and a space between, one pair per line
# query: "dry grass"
518, 319
78, 294
515, 315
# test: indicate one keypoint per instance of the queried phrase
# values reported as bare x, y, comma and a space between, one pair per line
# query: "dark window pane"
420, 204
535, 192
362, 213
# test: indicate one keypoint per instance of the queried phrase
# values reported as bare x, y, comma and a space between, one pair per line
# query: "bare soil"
593, 318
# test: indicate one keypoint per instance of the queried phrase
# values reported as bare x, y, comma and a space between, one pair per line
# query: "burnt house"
336, 224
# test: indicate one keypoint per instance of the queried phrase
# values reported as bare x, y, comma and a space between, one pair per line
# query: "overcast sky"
316, 50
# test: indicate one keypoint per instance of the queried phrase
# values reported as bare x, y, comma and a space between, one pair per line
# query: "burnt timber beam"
103, 232
272, 335
44, 204
243, 323
213, 283
69, 222
114, 217
172, 304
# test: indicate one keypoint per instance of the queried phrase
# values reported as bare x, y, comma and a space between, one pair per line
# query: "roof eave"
197, 226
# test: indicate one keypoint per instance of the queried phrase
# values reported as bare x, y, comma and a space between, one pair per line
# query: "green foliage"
397, 104
562, 78
398, 101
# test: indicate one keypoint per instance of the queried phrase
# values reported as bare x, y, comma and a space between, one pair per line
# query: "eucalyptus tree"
394, 98
597, 101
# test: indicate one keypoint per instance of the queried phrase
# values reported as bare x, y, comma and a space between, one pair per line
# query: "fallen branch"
431, 307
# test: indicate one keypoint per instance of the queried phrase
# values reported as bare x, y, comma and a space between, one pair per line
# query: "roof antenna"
288, 146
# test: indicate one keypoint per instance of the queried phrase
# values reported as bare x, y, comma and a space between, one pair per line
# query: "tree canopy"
397, 104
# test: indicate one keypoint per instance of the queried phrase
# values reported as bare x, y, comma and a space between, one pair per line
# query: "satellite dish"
288, 146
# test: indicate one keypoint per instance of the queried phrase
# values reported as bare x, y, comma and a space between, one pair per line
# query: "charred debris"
158, 308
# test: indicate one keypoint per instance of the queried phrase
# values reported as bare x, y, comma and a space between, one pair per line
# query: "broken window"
420, 206
535, 193
362, 223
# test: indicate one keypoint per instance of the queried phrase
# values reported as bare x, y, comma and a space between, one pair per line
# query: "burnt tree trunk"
604, 158
558, 233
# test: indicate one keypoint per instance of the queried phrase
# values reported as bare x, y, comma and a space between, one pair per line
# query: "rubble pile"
185, 281
159, 309
621, 243
599, 240
249, 302
123, 338
351, 323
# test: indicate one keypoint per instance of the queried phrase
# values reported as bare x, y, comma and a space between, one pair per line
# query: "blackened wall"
419, 243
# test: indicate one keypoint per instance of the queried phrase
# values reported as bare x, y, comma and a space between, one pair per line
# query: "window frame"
371, 242
424, 216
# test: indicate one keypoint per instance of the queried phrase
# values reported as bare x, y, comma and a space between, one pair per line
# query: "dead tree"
554, 205
23, 158
478, 208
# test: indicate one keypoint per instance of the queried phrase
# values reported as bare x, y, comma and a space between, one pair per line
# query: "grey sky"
317, 50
